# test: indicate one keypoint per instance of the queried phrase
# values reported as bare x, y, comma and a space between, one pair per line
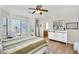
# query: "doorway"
45, 32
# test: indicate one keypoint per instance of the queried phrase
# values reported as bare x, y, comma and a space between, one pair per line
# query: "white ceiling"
53, 10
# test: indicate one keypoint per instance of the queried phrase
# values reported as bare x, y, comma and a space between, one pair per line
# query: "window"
15, 27
5, 26
24, 26
18, 27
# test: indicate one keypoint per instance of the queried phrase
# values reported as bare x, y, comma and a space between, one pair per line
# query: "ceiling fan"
38, 9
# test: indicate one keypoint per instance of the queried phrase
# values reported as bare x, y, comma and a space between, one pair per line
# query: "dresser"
58, 36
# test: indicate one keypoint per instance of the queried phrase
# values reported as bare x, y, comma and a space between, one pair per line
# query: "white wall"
32, 26
73, 34
41, 28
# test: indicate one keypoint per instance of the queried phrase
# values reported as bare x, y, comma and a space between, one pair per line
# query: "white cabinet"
50, 35
58, 36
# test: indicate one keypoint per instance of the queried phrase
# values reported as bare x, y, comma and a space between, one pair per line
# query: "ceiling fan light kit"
38, 11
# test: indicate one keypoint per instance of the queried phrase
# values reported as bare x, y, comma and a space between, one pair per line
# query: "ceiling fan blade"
33, 12
38, 9
44, 10
32, 8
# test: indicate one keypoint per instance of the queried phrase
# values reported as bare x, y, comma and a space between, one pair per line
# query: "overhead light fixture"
38, 11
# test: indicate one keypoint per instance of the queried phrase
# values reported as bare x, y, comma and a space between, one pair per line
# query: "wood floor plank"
59, 47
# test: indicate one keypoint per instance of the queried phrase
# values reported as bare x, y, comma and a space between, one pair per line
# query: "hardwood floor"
59, 47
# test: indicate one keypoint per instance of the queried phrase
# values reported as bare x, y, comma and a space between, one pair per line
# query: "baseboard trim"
57, 41
62, 42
